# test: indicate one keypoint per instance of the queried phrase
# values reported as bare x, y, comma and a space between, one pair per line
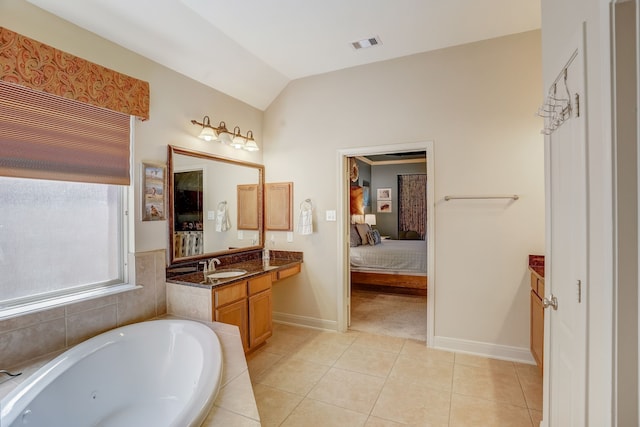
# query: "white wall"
477, 103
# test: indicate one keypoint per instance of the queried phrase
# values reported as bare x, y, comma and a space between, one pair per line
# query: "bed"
391, 263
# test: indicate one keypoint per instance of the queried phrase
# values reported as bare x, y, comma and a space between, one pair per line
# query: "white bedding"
406, 256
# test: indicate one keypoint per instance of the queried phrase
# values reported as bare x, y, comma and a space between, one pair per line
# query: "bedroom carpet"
403, 316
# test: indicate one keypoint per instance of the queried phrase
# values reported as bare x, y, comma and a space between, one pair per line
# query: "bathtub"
156, 373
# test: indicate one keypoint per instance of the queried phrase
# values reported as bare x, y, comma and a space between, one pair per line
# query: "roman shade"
45, 136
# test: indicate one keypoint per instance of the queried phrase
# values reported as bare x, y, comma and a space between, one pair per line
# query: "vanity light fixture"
222, 135
250, 145
208, 133
238, 140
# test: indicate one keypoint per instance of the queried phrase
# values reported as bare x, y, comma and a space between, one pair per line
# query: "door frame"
344, 219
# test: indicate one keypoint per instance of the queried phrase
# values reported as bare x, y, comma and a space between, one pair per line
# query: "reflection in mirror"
204, 205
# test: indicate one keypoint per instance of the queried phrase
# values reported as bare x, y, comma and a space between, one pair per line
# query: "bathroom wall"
477, 103
174, 101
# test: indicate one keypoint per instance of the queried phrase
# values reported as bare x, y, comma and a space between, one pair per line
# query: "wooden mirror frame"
171, 150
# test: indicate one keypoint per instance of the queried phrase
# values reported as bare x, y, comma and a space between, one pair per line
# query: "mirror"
215, 205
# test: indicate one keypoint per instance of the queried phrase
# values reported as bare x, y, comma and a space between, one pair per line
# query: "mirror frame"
171, 150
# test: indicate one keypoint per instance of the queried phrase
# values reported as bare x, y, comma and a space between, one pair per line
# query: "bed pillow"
373, 237
363, 229
354, 237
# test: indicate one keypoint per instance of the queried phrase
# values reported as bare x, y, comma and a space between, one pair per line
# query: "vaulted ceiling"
251, 49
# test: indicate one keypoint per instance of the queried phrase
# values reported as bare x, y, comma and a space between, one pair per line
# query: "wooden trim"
395, 280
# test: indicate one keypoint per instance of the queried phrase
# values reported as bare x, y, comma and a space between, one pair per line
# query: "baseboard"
495, 351
309, 322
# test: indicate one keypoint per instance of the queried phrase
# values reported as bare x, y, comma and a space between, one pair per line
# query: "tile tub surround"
306, 377
235, 404
33, 335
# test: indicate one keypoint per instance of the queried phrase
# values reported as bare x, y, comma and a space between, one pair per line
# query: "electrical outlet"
331, 215
240, 235
289, 236
211, 215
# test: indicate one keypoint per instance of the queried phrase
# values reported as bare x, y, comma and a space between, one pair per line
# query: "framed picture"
384, 206
153, 191
384, 194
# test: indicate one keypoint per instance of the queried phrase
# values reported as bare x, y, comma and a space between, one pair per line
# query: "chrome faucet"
208, 267
212, 264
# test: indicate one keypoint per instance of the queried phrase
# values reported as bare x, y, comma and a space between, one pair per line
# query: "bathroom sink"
226, 274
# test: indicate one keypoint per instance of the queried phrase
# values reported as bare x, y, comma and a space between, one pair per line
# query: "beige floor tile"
222, 417
324, 348
426, 371
312, 413
496, 385
525, 370
293, 375
413, 404
469, 411
274, 405
419, 350
284, 342
494, 365
259, 361
349, 390
531, 382
532, 393
366, 360
298, 331
379, 422
238, 397
380, 342
536, 417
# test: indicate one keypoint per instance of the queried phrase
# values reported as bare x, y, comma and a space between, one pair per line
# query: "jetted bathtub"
156, 373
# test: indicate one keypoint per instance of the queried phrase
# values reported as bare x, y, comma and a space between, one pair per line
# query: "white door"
566, 273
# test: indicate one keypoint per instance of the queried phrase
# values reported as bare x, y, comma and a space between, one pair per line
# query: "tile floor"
305, 377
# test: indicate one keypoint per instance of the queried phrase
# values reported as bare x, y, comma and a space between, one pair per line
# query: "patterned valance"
29, 63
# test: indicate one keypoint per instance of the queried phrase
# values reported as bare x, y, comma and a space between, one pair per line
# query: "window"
59, 238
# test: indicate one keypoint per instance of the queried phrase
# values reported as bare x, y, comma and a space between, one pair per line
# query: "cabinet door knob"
551, 301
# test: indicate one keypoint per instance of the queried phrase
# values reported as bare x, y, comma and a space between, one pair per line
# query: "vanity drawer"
229, 294
284, 273
259, 284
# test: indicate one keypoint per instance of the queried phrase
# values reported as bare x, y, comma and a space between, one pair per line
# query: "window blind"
46, 136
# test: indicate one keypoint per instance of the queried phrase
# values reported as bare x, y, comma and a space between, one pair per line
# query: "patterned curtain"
38, 66
412, 203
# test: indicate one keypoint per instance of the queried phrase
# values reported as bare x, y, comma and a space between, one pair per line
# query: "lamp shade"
370, 219
250, 145
207, 133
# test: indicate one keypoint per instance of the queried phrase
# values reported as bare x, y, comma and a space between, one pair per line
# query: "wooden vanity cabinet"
247, 305
537, 320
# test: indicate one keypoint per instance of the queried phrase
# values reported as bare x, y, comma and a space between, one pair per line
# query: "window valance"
35, 65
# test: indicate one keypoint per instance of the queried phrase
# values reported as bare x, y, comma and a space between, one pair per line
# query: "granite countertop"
536, 265
253, 268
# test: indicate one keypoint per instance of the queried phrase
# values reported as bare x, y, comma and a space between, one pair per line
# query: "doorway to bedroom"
387, 219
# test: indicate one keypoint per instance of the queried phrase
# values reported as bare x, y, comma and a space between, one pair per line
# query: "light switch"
211, 215
331, 215
290, 236
240, 235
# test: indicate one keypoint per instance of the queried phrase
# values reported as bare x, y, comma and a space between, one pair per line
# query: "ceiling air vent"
364, 43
